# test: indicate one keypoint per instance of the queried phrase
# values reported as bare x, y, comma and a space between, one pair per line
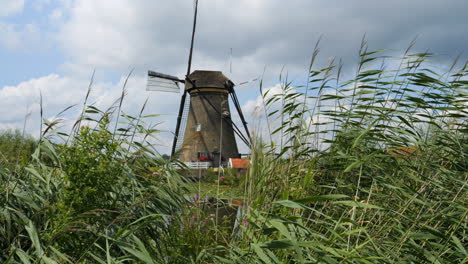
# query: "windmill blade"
229, 121
239, 110
246, 82
162, 82
183, 124
230, 62
193, 38
154, 74
179, 119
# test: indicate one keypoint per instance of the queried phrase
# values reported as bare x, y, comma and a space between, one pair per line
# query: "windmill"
204, 125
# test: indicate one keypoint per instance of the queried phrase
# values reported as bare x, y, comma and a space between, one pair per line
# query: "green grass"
205, 190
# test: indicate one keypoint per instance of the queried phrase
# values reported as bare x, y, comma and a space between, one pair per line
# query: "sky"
52, 47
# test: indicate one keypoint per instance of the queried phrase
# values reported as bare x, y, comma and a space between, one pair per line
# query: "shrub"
16, 149
92, 166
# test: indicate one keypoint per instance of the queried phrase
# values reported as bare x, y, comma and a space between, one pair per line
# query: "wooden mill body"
206, 130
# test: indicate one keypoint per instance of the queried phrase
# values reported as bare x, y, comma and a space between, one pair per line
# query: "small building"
240, 164
402, 152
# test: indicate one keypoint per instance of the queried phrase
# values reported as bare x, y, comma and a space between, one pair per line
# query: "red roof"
240, 163
400, 152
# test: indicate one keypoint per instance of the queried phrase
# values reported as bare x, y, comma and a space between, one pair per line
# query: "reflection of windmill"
204, 125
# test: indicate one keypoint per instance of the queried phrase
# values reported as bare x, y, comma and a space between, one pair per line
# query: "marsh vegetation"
371, 169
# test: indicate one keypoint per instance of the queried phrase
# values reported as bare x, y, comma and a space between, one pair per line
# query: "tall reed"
367, 170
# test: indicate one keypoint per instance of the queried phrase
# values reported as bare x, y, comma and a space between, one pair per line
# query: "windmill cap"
208, 79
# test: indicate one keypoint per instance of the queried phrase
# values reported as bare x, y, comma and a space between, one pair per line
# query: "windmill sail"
183, 124
184, 99
162, 82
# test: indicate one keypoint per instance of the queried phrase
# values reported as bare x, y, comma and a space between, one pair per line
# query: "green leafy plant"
92, 166
16, 149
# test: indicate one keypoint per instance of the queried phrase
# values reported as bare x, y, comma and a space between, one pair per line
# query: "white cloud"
313, 120
10, 7
256, 107
25, 97
101, 34
255, 112
59, 92
56, 15
116, 34
20, 37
